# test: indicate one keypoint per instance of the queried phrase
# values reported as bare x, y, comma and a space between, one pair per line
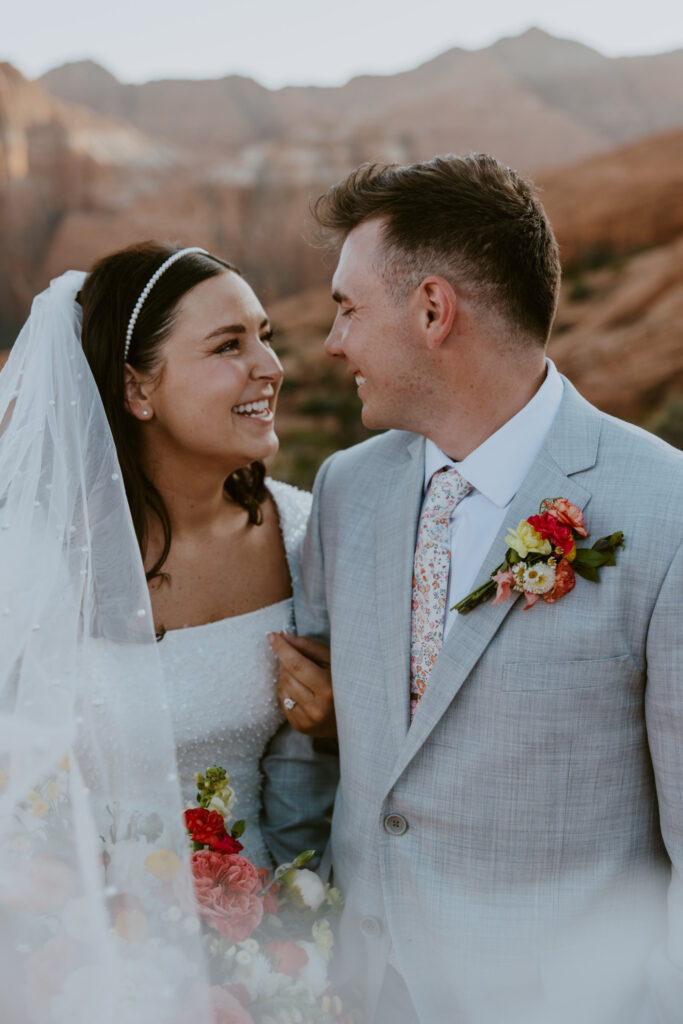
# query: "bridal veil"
96, 911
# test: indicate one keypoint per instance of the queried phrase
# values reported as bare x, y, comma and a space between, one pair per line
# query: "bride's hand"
304, 688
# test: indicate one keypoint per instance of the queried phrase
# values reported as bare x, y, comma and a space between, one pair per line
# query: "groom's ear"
437, 308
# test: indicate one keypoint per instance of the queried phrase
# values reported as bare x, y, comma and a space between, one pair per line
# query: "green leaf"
238, 828
591, 557
303, 858
587, 571
611, 543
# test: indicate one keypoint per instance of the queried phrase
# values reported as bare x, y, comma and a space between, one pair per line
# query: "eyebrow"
234, 329
339, 297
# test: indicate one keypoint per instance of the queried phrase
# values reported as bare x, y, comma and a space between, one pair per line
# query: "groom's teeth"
359, 380
251, 408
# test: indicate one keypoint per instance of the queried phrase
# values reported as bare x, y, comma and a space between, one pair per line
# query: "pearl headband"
147, 289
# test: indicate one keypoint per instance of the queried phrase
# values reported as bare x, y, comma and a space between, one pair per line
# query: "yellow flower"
323, 938
525, 539
163, 864
20, 844
64, 763
52, 790
39, 807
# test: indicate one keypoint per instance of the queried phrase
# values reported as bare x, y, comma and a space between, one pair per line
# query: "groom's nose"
333, 341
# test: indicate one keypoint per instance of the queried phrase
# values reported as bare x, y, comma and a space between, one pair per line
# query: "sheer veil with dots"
97, 919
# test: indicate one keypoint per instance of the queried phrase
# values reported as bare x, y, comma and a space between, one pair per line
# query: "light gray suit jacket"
512, 850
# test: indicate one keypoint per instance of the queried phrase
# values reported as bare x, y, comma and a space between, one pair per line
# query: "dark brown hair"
469, 219
108, 296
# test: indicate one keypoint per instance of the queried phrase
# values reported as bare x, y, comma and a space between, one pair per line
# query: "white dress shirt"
496, 470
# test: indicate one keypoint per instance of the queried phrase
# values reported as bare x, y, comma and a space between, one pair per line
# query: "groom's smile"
374, 332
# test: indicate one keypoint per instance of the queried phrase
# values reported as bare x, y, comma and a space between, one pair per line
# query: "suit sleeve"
300, 774
664, 717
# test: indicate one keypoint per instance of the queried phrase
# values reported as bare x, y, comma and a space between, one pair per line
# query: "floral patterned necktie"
430, 577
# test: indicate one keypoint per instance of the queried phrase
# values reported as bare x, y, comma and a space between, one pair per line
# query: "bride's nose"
267, 366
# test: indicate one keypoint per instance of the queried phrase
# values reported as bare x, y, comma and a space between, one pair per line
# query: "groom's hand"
304, 688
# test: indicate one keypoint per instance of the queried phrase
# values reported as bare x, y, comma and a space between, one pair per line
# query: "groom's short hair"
470, 219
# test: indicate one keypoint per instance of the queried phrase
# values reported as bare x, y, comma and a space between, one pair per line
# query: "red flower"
227, 887
288, 957
550, 528
227, 845
208, 828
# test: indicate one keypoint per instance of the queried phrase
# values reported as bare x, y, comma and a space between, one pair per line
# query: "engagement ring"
288, 703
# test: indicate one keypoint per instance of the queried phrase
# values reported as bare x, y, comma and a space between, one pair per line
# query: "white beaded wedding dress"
221, 680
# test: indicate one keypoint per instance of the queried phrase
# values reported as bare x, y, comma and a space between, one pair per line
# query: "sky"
309, 42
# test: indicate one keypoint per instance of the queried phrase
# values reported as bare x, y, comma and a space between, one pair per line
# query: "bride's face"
214, 396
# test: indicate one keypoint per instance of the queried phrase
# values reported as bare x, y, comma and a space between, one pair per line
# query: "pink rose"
565, 512
41, 885
504, 581
227, 1009
228, 888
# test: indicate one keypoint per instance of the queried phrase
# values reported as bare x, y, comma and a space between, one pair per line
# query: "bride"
190, 386
166, 424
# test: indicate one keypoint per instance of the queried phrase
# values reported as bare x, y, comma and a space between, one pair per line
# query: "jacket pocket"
579, 674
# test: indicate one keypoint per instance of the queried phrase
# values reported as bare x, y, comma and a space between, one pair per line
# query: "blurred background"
218, 126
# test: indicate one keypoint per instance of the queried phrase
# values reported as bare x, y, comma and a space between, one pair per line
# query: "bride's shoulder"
294, 509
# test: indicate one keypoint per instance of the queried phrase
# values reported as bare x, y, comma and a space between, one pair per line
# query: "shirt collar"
498, 466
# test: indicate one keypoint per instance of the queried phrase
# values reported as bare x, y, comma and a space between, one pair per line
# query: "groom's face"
372, 332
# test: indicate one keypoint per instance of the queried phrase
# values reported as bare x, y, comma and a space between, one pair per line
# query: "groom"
509, 820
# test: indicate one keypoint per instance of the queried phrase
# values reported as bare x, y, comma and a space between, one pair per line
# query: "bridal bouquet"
268, 939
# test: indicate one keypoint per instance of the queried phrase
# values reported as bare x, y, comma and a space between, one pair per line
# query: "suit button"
395, 824
371, 927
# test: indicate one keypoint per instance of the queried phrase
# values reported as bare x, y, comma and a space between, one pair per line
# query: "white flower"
308, 887
518, 571
256, 974
323, 938
251, 945
539, 578
314, 973
216, 804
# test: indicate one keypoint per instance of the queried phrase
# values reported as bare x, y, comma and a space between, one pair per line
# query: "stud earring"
145, 412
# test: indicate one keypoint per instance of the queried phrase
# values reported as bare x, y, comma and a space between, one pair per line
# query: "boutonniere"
542, 558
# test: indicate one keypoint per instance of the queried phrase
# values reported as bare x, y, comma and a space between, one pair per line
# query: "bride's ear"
136, 394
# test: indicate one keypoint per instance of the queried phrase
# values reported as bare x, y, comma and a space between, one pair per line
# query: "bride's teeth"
250, 408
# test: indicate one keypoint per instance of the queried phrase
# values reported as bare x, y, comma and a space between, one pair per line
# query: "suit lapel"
399, 501
571, 446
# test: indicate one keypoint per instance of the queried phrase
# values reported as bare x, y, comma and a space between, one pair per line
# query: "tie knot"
446, 489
